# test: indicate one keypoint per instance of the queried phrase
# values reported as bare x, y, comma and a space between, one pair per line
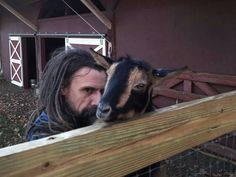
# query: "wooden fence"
122, 148
189, 86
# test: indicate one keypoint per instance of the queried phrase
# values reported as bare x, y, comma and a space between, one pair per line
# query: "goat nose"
103, 111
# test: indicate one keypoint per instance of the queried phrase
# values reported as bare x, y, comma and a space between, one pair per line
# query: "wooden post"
38, 52
125, 147
18, 15
97, 13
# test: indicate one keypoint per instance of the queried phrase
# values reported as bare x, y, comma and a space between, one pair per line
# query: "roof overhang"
18, 15
97, 13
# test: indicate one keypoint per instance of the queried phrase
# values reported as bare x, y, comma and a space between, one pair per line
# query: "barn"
166, 33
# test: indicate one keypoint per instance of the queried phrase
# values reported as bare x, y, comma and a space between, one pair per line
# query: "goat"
129, 86
128, 90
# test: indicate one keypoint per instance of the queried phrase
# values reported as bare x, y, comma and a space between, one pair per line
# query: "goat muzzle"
103, 111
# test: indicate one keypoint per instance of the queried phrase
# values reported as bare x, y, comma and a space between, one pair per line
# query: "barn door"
16, 66
98, 44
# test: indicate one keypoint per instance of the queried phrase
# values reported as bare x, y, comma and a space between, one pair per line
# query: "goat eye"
140, 86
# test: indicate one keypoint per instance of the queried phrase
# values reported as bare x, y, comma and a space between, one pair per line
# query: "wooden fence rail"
125, 147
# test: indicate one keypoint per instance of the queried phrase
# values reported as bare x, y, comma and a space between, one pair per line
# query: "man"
70, 90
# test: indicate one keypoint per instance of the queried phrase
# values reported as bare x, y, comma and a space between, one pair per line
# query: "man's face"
84, 91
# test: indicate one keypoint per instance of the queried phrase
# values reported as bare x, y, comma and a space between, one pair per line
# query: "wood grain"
125, 147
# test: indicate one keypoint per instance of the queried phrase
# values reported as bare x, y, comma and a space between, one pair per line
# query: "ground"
16, 105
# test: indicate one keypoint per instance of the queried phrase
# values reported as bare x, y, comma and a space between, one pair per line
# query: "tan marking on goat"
136, 76
110, 72
149, 98
126, 115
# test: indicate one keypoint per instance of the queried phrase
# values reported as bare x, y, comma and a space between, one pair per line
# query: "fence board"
209, 78
125, 147
181, 95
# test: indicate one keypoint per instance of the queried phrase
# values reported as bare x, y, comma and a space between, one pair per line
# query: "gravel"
16, 105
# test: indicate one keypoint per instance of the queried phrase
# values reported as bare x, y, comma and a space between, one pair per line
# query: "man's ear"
64, 91
162, 74
104, 61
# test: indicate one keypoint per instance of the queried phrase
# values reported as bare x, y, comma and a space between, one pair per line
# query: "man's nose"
96, 98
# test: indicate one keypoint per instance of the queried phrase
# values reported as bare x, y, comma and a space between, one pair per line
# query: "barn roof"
62, 8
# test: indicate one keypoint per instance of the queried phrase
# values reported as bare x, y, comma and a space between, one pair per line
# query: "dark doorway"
29, 61
49, 45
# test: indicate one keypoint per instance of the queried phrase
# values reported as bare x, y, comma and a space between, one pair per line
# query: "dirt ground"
16, 105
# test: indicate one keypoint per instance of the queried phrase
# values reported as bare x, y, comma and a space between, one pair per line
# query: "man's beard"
87, 116
83, 118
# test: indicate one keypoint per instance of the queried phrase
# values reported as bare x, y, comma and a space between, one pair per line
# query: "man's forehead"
82, 72
89, 77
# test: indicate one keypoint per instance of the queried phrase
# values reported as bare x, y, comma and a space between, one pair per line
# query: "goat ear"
162, 74
104, 61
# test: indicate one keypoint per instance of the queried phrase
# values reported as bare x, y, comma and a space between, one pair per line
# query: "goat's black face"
127, 91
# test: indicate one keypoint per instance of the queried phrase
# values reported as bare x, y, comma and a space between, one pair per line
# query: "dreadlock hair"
57, 75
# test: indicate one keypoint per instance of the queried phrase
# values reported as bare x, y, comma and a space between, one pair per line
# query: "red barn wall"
10, 25
166, 33
60, 25
173, 33
71, 24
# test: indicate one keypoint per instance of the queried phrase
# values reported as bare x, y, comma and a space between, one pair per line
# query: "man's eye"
89, 90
